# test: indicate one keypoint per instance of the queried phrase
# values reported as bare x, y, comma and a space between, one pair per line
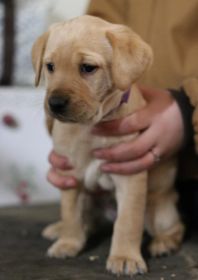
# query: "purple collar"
124, 99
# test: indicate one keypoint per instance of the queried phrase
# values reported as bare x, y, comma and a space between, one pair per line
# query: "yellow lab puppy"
90, 67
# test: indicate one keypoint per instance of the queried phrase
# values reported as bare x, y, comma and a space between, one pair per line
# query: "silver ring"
156, 157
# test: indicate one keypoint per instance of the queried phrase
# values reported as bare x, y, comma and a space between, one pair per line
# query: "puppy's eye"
88, 68
50, 67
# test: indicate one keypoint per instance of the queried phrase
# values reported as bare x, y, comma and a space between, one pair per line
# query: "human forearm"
186, 111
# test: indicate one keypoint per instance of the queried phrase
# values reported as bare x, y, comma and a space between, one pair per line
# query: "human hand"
54, 177
161, 134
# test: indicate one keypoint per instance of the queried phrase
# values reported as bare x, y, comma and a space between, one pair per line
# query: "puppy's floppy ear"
38, 50
131, 56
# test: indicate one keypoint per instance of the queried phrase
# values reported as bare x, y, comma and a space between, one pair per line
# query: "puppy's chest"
74, 141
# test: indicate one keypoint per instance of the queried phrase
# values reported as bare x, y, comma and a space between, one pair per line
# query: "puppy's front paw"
53, 231
126, 265
63, 248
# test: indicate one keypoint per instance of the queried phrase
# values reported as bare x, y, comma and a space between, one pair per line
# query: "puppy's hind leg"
75, 224
162, 218
53, 231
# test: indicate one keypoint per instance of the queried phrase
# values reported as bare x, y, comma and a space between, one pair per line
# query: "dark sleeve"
186, 111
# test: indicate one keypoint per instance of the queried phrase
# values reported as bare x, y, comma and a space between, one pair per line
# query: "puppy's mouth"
72, 116
73, 119
62, 118
67, 111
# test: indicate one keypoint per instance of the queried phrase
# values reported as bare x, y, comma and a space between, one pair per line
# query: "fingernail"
70, 183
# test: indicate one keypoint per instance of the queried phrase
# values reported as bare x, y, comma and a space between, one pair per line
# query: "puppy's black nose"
58, 104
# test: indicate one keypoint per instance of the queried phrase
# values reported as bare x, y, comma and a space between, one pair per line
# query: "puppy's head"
86, 62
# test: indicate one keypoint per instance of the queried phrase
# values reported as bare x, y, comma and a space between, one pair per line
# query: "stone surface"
22, 252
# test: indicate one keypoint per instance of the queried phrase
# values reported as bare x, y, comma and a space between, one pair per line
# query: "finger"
147, 93
132, 167
130, 150
150, 94
59, 181
139, 120
58, 161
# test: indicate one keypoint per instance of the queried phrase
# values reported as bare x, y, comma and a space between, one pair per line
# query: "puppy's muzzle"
58, 104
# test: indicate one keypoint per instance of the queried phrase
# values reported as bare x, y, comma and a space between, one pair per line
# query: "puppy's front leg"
125, 255
74, 229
